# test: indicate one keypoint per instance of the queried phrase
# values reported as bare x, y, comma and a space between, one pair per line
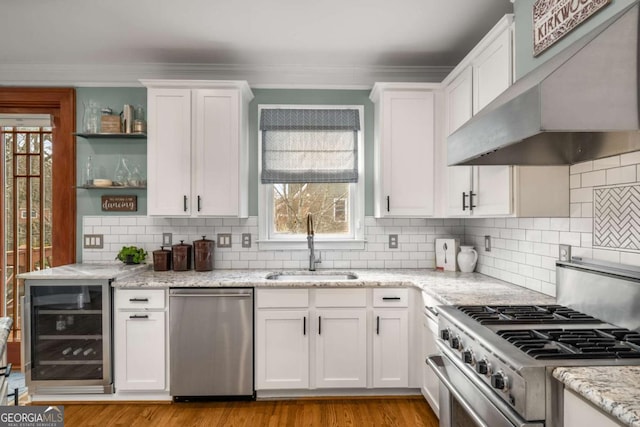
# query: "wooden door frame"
61, 104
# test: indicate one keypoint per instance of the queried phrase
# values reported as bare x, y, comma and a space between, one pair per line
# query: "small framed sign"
119, 203
554, 19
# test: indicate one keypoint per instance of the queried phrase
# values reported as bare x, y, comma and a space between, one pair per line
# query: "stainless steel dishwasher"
211, 343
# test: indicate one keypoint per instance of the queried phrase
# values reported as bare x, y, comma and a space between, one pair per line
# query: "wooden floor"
405, 412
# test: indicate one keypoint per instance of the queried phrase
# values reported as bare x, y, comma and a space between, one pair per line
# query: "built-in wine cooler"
67, 336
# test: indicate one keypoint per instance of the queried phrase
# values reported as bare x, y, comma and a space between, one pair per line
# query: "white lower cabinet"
321, 338
282, 349
579, 413
391, 348
341, 348
140, 340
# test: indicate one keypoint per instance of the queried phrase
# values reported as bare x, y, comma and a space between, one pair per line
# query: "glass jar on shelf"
91, 117
122, 175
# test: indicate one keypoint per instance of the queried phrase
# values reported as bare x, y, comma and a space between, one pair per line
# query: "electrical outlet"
167, 239
564, 252
487, 243
93, 241
224, 240
393, 241
246, 240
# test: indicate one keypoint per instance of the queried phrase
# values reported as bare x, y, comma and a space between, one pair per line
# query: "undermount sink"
308, 276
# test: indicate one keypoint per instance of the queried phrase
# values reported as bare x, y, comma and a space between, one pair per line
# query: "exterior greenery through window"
310, 164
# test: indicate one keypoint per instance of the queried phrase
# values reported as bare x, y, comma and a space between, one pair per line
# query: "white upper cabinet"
197, 148
492, 70
459, 100
404, 149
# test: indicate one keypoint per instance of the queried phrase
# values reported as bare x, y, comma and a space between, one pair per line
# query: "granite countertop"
614, 389
447, 287
86, 271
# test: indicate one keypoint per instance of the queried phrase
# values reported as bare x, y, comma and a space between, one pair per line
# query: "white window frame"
355, 240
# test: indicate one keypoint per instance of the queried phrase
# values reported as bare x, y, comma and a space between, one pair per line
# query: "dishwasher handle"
212, 292
212, 295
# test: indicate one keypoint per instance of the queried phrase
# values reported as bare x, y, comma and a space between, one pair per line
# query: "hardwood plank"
412, 411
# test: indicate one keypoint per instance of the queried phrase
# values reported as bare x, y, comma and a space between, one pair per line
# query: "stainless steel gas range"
496, 361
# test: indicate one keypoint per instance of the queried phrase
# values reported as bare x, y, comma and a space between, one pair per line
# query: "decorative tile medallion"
616, 217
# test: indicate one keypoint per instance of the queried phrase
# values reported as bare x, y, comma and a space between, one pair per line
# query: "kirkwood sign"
553, 19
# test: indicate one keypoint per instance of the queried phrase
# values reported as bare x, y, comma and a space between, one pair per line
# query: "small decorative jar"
467, 258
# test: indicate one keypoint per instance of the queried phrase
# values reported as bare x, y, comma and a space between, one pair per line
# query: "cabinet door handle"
199, 203
471, 205
388, 203
319, 325
377, 325
184, 201
138, 299
139, 316
304, 325
464, 201
390, 298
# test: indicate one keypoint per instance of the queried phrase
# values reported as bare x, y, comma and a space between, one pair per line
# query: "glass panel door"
67, 332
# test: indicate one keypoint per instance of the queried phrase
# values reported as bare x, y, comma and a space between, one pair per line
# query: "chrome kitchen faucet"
312, 256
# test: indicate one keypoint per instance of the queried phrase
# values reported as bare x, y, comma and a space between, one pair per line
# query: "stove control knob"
454, 342
483, 367
444, 334
500, 381
467, 357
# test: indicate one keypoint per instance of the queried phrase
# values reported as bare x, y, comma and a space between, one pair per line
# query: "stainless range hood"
582, 104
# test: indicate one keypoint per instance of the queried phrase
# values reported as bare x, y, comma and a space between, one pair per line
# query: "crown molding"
258, 76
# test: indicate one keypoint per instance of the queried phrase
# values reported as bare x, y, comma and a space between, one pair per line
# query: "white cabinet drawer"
341, 297
139, 299
282, 298
391, 297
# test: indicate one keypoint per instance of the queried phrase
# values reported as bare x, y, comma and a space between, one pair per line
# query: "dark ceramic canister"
161, 259
203, 254
181, 256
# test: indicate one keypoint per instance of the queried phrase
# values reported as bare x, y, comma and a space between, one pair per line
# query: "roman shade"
309, 145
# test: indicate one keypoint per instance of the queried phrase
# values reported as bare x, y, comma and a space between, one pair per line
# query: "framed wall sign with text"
553, 19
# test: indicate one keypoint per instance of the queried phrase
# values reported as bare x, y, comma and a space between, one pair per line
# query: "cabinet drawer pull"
138, 299
199, 199
304, 325
388, 203
319, 325
377, 325
139, 316
184, 201
390, 298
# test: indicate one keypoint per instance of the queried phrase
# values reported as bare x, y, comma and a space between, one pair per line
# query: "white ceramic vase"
467, 258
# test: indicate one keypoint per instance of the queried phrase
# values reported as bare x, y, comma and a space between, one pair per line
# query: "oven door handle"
435, 362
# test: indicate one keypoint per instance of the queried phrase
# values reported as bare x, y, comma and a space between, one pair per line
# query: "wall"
105, 153
523, 10
415, 249
524, 250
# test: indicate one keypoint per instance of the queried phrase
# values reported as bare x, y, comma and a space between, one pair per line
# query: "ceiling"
162, 38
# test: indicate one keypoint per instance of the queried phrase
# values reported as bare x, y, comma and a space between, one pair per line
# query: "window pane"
293, 202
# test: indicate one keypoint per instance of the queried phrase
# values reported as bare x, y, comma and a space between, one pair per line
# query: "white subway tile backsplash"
581, 167
630, 158
581, 195
592, 179
575, 181
583, 225
606, 163
621, 175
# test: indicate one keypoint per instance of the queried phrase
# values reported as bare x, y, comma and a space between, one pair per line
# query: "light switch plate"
224, 240
487, 243
564, 252
393, 241
93, 241
167, 239
246, 240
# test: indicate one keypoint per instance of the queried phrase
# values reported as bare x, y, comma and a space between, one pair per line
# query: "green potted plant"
131, 255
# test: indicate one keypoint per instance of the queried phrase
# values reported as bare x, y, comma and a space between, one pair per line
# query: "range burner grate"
521, 314
617, 343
